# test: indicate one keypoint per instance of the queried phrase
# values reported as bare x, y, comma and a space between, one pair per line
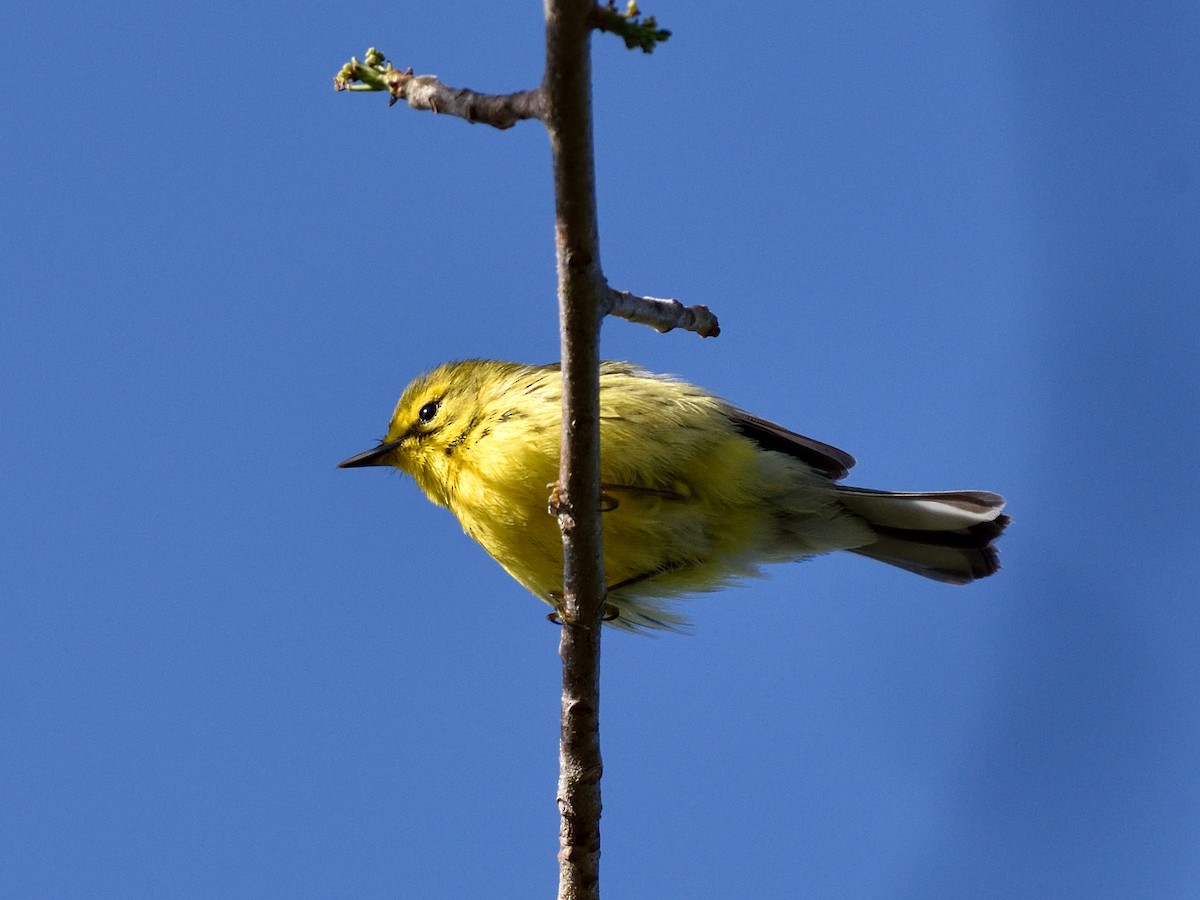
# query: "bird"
696, 493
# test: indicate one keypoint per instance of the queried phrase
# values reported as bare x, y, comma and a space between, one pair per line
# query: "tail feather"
947, 535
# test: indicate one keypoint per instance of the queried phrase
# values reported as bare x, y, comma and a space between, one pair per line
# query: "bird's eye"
428, 411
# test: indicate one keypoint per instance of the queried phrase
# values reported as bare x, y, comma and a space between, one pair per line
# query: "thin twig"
663, 315
425, 92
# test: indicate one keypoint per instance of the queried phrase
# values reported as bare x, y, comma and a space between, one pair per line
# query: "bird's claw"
559, 617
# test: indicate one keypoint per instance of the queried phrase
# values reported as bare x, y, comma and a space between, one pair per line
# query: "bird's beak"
377, 456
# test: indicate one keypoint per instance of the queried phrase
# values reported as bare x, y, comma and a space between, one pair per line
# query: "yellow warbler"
696, 492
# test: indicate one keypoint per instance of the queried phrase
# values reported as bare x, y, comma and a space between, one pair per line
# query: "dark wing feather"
833, 462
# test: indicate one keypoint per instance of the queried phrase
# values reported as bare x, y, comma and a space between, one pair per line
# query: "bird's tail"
944, 535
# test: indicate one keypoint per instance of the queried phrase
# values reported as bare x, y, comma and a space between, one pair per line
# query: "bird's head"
434, 414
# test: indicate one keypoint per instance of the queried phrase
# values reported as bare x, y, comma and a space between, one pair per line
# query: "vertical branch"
568, 119
563, 102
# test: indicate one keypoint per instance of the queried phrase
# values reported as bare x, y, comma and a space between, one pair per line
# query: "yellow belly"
663, 534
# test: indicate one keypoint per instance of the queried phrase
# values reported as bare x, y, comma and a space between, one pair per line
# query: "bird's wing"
833, 462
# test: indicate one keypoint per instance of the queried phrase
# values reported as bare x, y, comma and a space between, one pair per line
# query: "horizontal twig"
662, 315
497, 110
425, 92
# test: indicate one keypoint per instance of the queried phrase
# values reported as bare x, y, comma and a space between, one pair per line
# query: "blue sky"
958, 240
